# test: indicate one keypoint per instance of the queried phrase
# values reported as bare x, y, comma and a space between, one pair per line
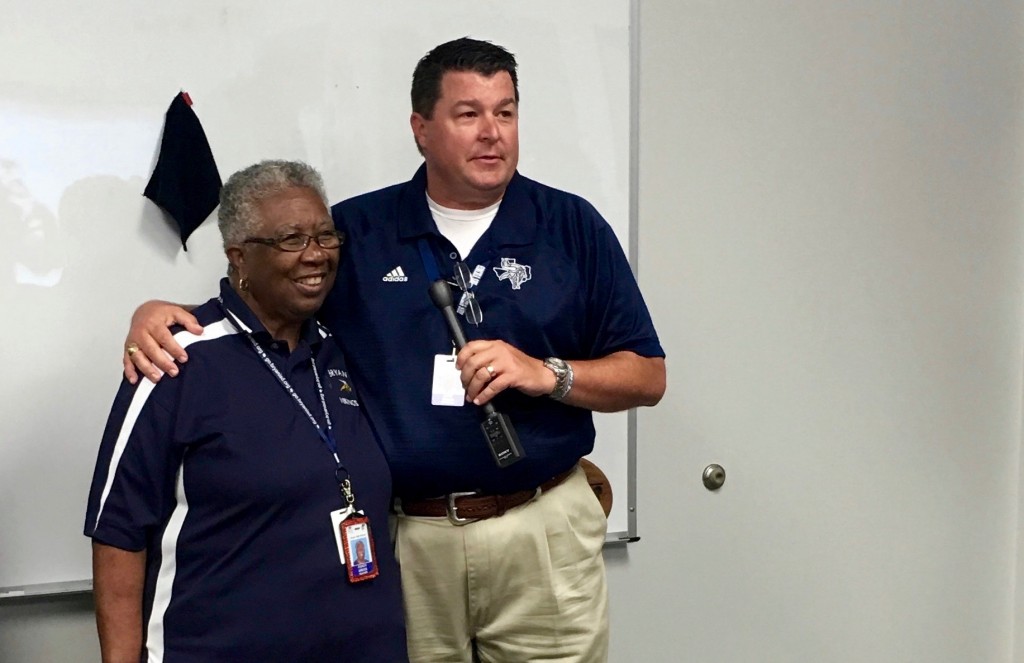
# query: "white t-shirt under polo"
462, 227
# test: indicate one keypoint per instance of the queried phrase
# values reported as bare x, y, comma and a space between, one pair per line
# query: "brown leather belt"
463, 508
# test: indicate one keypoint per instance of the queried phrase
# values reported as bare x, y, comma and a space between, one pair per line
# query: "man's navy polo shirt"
224, 482
555, 283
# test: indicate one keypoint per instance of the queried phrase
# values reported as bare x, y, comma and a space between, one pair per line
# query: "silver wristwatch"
563, 377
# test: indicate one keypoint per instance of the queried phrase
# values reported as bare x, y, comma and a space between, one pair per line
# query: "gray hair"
238, 217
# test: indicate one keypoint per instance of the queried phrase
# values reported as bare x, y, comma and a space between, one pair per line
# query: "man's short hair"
462, 54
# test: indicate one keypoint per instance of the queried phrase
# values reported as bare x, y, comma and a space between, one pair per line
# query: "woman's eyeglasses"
329, 239
468, 304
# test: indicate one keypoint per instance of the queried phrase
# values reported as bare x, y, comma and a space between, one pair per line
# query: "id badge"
447, 388
357, 543
337, 517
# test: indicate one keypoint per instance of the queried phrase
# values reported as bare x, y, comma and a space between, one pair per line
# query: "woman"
223, 501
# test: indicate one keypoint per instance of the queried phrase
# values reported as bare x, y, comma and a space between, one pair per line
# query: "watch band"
563, 377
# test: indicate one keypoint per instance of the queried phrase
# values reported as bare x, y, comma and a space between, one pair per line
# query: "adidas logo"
395, 275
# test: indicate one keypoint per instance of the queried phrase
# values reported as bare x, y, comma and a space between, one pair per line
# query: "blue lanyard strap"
340, 472
429, 261
328, 437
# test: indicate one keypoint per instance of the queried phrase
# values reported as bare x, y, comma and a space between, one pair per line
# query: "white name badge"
447, 388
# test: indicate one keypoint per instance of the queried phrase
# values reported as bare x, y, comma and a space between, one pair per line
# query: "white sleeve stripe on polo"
210, 332
138, 400
168, 568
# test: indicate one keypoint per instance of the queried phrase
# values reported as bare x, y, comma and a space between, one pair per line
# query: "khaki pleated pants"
526, 586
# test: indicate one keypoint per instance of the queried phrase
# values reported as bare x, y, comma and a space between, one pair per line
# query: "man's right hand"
157, 349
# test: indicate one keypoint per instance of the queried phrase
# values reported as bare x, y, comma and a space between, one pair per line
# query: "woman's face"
288, 287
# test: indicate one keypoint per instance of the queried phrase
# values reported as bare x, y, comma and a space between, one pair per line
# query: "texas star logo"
513, 272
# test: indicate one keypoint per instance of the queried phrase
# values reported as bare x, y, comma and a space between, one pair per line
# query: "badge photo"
360, 555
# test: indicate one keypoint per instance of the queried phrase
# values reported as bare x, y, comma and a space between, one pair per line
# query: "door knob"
714, 476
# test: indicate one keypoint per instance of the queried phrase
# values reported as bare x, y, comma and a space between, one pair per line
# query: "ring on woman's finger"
131, 348
490, 371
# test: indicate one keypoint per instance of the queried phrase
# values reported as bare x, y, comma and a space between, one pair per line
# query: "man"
498, 563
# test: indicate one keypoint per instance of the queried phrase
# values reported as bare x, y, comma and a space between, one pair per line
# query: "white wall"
851, 174
49, 630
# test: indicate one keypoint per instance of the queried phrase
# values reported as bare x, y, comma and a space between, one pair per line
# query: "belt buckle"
453, 515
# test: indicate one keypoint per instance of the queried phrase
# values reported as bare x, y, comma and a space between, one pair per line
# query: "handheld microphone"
501, 436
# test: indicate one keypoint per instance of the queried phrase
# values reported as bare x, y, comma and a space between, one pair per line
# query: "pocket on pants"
575, 523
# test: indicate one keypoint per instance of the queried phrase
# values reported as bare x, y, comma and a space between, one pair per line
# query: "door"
830, 243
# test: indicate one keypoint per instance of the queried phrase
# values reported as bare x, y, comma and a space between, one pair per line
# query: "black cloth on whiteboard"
185, 182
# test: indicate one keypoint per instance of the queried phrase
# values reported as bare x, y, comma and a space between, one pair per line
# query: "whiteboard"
83, 90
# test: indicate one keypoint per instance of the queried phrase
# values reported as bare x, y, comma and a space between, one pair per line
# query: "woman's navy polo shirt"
224, 482
555, 283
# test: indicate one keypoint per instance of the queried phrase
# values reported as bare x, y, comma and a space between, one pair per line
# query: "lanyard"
328, 437
345, 484
340, 472
429, 261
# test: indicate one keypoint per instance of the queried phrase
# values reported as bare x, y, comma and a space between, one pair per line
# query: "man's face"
471, 144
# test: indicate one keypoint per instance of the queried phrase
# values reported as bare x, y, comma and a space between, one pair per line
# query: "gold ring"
131, 348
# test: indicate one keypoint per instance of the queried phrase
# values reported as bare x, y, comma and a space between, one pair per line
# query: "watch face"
563, 378
556, 365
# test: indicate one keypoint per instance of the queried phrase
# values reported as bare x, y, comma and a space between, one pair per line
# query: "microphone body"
497, 428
